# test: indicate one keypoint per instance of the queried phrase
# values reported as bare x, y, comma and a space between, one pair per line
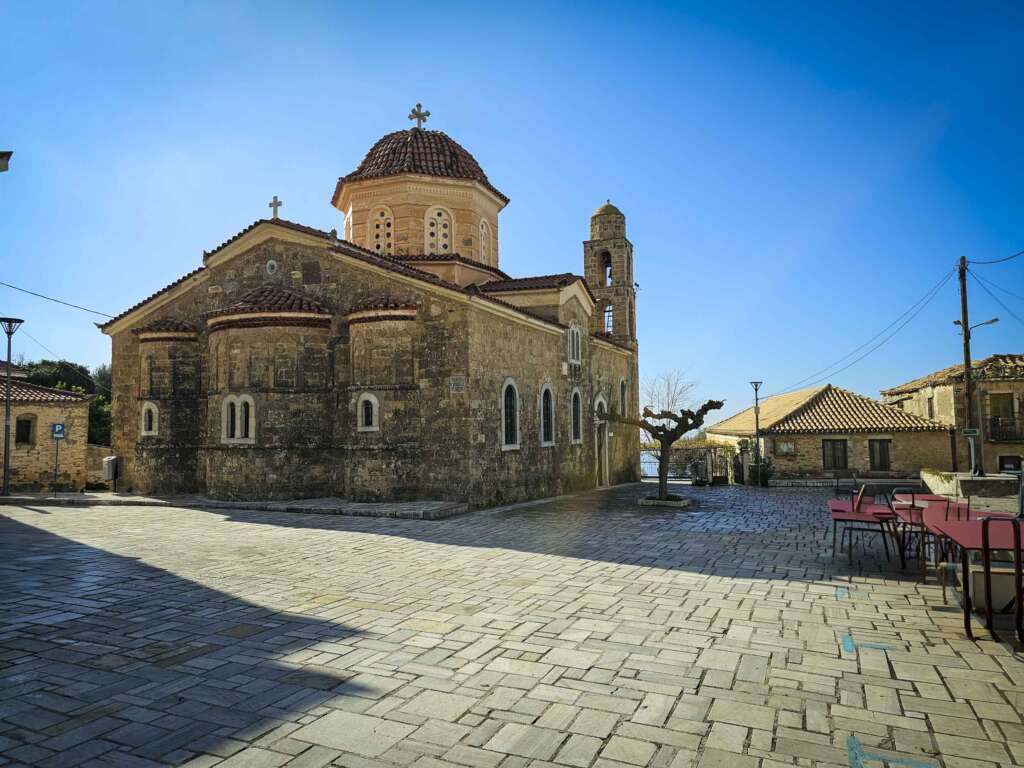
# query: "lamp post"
10, 325
965, 330
757, 429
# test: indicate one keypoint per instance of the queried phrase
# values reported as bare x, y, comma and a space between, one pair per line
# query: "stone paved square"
581, 632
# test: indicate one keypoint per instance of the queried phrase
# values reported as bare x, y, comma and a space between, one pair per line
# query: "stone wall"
94, 455
437, 379
32, 463
909, 453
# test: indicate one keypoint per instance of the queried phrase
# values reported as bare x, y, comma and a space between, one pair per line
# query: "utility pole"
965, 328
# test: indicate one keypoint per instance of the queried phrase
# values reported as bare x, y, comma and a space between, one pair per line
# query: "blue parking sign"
57, 431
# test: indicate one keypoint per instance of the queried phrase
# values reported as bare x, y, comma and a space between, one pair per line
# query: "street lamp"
757, 429
5, 158
10, 325
965, 331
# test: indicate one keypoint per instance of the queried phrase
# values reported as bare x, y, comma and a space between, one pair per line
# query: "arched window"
606, 269
622, 397
380, 231
438, 232
576, 417
547, 417
367, 413
509, 416
246, 417
609, 319
238, 419
575, 344
150, 419
485, 240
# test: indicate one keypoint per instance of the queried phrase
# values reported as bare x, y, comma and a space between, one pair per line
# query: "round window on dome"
436, 220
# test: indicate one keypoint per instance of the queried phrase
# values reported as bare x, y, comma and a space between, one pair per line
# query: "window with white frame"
150, 420
368, 413
380, 231
509, 416
576, 417
485, 240
575, 344
547, 416
438, 232
609, 318
238, 420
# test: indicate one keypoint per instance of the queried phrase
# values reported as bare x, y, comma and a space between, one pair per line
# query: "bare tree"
666, 426
671, 390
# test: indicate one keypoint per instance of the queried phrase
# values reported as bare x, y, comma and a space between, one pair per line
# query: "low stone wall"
964, 484
94, 455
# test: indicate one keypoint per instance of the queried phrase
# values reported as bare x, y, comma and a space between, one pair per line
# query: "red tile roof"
25, 392
391, 263
530, 283
826, 409
273, 298
997, 367
416, 150
166, 324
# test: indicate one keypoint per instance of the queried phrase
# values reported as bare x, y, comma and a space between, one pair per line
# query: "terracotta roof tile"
450, 257
166, 324
416, 150
998, 367
273, 298
26, 392
826, 409
530, 283
381, 305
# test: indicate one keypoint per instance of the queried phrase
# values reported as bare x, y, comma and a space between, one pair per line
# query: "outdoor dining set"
917, 525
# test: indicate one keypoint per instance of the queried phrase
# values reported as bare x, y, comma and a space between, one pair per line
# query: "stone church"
398, 361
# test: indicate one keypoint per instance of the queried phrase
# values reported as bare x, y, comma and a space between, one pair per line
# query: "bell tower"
608, 267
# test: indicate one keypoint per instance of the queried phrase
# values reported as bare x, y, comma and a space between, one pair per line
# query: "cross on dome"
419, 115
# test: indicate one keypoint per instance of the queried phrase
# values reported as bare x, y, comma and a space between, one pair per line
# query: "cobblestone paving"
585, 632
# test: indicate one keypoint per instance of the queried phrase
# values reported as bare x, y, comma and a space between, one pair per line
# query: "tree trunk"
663, 461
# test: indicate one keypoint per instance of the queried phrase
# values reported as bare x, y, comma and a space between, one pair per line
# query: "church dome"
606, 209
417, 150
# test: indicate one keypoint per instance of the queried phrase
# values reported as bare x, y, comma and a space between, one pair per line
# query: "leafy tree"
103, 377
60, 374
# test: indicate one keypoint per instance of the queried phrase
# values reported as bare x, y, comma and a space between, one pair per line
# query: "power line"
59, 358
997, 287
57, 301
912, 311
997, 300
999, 261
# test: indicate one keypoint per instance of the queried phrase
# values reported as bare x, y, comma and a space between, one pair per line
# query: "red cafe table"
985, 535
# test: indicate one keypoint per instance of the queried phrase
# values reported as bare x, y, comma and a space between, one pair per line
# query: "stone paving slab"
585, 632
414, 510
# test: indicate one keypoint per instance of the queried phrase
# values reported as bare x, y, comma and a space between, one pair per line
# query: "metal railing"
1006, 430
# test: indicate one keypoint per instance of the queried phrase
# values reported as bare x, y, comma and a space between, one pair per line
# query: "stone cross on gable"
419, 115
275, 204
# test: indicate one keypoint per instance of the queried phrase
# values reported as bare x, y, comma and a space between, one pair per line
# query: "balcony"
1005, 430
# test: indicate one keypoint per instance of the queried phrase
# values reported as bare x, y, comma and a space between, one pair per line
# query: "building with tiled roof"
998, 408
396, 361
832, 432
34, 409
17, 372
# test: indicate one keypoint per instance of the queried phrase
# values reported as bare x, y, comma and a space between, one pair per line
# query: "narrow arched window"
622, 397
574, 344
577, 418
485, 240
150, 420
367, 413
438, 232
547, 418
380, 231
510, 416
232, 415
246, 413
606, 269
609, 319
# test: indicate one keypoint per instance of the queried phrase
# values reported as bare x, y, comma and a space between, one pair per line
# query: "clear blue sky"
794, 177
